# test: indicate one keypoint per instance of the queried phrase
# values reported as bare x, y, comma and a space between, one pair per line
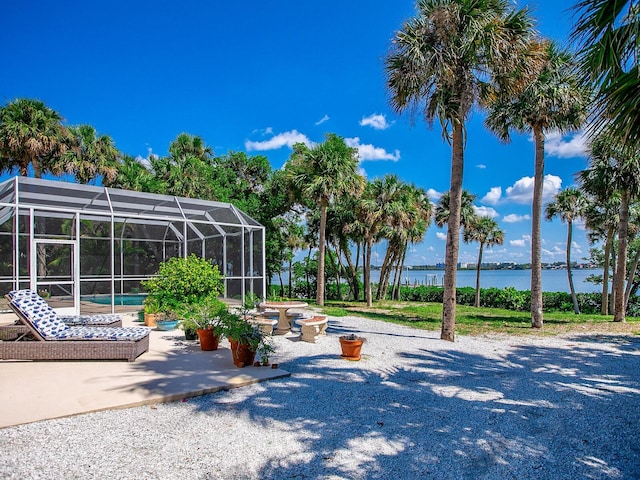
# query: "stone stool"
266, 324
312, 328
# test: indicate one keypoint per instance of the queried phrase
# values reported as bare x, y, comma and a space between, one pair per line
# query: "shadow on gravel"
545, 413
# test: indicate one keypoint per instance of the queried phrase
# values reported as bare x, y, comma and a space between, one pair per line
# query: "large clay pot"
208, 341
351, 347
242, 355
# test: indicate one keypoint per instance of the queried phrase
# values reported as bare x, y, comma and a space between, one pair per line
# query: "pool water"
130, 299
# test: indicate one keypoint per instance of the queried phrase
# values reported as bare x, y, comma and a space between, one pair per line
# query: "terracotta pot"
242, 355
208, 341
150, 319
351, 348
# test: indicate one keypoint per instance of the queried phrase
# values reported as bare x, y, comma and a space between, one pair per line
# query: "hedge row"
507, 298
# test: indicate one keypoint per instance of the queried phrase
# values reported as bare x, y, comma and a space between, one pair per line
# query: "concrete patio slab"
171, 370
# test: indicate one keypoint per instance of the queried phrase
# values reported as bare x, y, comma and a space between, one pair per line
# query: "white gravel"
413, 407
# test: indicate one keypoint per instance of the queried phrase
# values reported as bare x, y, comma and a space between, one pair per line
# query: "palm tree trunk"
623, 233
290, 268
321, 252
574, 298
384, 274
367, 273
453, 233
604, 306
536, 216
477, 301
612, 297
632, 274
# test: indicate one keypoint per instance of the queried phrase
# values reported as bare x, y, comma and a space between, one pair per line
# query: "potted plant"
152, 311
351, 346
245, 339
166, 321
203, 318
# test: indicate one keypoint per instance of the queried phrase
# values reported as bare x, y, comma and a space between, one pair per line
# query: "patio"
172, 369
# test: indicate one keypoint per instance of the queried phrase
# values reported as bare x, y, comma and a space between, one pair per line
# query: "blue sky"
259, 76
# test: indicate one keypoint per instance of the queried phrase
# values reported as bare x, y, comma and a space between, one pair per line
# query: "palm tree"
607, 36
323, 173
87, 156
441, 64
486, 231
30, 134
553, 100
442, 211
569, 204
620, 166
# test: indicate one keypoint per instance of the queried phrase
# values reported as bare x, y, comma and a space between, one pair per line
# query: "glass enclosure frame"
74, 243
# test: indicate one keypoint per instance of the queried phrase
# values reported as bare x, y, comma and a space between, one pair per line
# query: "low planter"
351, 346
190, 334
208, 341
166, 325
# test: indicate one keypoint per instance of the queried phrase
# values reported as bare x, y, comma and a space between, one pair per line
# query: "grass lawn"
481, 321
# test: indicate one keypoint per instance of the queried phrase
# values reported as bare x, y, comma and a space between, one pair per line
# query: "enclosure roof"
94, 200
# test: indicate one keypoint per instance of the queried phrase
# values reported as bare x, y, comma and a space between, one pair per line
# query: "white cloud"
522, 190
556, 251
278, 141
493, 196
485, 212
573, 146
514, 218
481, 166
377, 121
434, 195
441, 236
322, 120
369, 152
522, 242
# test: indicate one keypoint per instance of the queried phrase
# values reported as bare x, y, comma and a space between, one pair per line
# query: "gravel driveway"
498, 407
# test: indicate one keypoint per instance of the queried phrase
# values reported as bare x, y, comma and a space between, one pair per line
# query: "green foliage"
184, 281
237, 329
204, 314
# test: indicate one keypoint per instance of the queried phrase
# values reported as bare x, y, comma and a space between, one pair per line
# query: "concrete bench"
266, 324
312, 328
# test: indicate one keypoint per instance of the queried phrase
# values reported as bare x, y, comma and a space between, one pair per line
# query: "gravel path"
413, 407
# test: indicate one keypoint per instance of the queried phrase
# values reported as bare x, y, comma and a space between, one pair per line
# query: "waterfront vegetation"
483, 320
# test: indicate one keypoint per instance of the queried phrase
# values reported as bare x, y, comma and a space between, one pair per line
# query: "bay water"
552, 280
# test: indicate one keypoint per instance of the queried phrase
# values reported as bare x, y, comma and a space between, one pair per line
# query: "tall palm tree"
607, 36
602, 218
87, 156
569, 204
485, 231
323, 174
30, 134
552, 100
441, 64
620, 166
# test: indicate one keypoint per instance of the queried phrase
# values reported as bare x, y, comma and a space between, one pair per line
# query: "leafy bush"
513, 299
181, 281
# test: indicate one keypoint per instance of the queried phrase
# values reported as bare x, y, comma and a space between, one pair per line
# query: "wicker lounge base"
74, 349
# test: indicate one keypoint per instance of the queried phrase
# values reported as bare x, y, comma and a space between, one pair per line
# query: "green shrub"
181, 281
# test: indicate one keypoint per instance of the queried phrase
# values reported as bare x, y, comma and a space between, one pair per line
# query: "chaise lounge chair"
55, 340
18, 329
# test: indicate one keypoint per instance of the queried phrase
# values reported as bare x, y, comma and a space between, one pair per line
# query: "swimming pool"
119, 299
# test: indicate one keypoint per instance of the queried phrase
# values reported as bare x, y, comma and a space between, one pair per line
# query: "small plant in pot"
152, 311
245, 339
203, 318
351, 346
